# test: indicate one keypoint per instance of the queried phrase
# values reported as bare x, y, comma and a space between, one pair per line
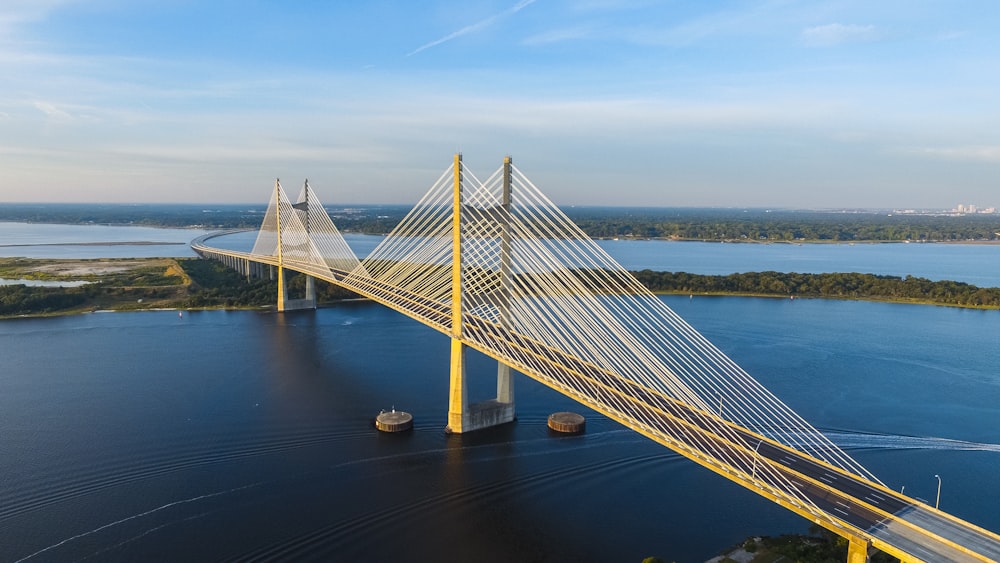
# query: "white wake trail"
136, 516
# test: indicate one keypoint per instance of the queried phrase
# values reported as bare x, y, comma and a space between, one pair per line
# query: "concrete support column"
311, 290
505, 384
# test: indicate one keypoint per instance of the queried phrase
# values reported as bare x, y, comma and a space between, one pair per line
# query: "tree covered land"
133, 284
758, 225
834, 286
128, 284
599, 222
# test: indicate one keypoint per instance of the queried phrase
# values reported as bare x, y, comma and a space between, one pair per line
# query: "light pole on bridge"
938, 501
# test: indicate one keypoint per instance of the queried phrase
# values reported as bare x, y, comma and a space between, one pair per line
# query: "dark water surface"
231, 435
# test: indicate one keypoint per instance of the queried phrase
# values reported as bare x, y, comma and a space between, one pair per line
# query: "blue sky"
665, 103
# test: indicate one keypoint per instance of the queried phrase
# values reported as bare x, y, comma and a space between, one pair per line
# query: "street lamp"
938, 501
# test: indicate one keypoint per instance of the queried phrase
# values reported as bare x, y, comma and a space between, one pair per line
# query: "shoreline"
113, 243
157, 283
272, 308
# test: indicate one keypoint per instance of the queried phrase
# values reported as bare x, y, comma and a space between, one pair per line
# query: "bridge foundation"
286, 304
464, 416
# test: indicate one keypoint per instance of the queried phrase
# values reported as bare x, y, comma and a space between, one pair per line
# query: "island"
85, 285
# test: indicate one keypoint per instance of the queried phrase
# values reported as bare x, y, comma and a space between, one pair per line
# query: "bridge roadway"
847, 503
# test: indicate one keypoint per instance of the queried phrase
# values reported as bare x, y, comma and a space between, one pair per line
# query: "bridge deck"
841, 501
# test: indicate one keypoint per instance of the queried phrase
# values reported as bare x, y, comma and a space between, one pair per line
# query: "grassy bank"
125, 284
149, 283
128, 284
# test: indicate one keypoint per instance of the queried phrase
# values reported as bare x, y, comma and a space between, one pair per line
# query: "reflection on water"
236, 435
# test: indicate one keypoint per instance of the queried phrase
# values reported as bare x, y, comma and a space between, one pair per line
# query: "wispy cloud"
52, 111
836, 34
16, 13
480, 25
968, 153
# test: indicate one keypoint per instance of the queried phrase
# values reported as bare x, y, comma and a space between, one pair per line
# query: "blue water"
43, 240
971, 263
229, 435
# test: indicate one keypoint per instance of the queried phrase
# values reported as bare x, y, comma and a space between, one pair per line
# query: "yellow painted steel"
857, 552
281, 271
458, 398
456, 252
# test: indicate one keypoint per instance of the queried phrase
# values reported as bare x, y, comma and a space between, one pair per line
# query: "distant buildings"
970, 209
960, 209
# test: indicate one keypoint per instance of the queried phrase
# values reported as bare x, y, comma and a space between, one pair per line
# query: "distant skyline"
889, 104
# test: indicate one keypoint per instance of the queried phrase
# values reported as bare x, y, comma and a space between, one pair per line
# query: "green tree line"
837, 285
600, 222
214, 285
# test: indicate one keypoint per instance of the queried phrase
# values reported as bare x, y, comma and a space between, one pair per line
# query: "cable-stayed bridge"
498, 268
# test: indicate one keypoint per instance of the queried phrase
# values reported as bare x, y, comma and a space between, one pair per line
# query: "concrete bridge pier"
286, 304
464, 416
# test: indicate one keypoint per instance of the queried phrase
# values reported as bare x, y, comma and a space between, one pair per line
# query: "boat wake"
848, 440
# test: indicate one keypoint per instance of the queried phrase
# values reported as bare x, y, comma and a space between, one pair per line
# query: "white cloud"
16, 13
256, 152
52, 111
837, 34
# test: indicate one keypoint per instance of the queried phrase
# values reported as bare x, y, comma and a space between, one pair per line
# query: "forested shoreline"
203, 284
830, 286
705, 224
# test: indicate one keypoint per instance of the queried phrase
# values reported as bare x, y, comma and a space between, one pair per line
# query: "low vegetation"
111, 284
129, 284
820, 546
126, 284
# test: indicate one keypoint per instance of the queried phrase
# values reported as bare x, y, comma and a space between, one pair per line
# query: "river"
231, 435
977, 264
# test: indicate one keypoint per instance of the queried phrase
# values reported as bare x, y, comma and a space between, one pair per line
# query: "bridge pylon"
462, 415
284, 303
